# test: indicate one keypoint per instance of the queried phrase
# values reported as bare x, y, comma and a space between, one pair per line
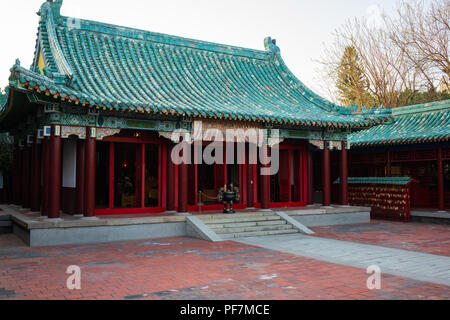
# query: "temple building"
414, 144
93, 122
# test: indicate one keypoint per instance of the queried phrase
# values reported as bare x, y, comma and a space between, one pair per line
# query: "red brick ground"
428, 238
184, 268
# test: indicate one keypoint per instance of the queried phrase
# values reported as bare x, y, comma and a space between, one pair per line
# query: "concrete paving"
410, 264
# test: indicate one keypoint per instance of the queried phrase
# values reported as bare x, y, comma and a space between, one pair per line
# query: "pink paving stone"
185, 268
427, 238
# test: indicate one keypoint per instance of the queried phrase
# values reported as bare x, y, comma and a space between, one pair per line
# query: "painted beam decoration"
71, 124
106, 132
100, 121
67, 131
210, 130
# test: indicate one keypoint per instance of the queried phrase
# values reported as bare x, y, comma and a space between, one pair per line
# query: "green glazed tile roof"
3, 99
378, 180
122, 69
422, 123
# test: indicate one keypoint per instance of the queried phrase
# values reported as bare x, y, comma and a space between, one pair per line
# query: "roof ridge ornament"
54, 5
271, 45
65, 74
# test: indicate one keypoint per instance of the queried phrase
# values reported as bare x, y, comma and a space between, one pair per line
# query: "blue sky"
301, 27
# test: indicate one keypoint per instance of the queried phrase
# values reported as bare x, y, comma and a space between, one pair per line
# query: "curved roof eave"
178, 76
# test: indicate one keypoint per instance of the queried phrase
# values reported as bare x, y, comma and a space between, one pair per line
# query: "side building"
415, 144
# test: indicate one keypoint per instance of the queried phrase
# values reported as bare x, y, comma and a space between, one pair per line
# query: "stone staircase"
5, 223
242, 225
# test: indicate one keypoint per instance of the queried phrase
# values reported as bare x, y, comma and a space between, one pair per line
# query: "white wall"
69, 172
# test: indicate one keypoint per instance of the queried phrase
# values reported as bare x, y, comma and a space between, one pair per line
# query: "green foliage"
353, 89
351, 80
409, 98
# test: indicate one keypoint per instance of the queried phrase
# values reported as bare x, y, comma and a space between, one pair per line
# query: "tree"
351, 82
401, 60
421, 32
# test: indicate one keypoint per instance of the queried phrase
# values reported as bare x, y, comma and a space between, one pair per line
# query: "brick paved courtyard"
428, 238
185, 268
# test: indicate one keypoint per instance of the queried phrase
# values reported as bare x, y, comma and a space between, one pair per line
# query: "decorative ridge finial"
271, 45
54, 5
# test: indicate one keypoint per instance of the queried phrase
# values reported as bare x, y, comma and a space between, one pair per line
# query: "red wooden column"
440, 173
35, 185
344, 175
250, 183
54, 205
388, 164
46, 176
252, 178
164, 155
265, 186
326, 183
170, 179
183, 186
112, 166
81, 173
26, 177
17, 176
310, 169
90, 164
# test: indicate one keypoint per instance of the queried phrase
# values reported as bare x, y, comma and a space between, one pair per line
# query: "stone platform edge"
104, 230
25, 221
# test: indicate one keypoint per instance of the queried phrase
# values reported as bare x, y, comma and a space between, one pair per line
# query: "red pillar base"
344, 175
35, 185
25, 191
326, 184
46, 176
265, 190
54, 205
170, 207
183, 191
81, 173
440, 173
310, 177
90, 177
17, 179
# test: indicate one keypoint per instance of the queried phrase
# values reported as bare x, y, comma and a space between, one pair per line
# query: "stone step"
239, 218
220, 231
5, 223
222, 216
246, 224
4, 217
257, 233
